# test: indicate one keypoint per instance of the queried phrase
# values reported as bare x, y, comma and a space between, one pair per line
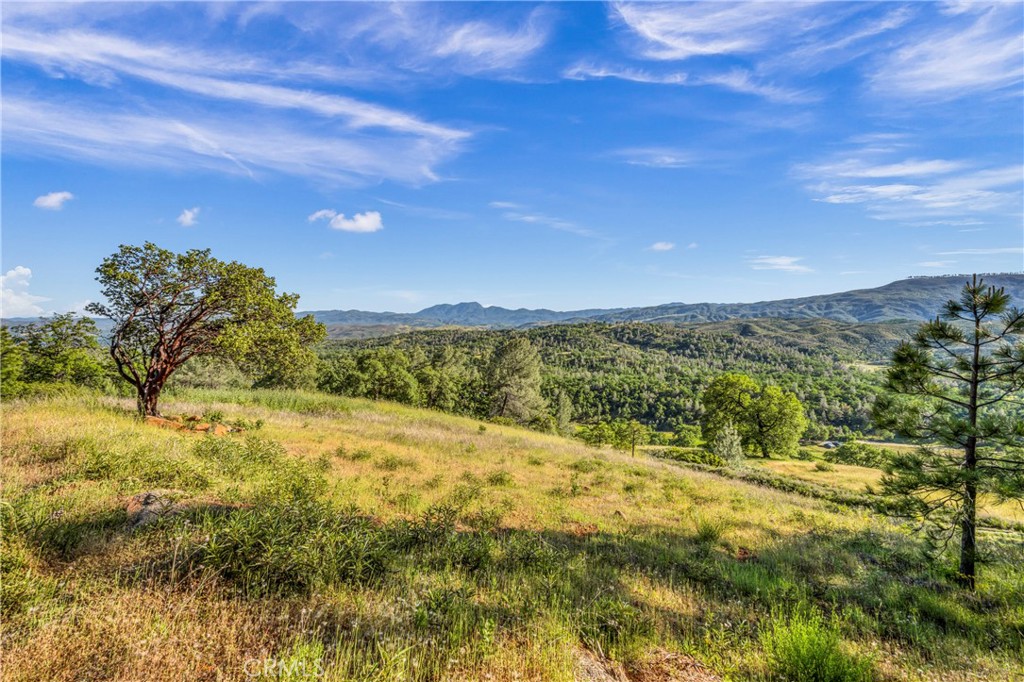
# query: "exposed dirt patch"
665, 666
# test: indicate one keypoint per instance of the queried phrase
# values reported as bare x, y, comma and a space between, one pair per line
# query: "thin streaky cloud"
216, 142
980, 53
983, 252
657, 157
117, 57
784, 263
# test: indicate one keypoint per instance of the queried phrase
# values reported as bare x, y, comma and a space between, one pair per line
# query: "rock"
219, 430
149, 506
164, 423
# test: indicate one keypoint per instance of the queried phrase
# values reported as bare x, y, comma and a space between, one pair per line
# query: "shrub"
823, 466
858, 454
692, 456
727, 445
709, 531
500, 479
805, 648
393, 463
587, 466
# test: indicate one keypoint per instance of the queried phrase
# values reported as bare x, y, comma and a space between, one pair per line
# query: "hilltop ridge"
915, 298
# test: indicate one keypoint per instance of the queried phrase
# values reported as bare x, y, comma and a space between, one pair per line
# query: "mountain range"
916, 298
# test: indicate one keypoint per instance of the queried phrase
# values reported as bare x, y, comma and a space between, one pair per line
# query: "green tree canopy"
168, 307
768, 419
957, 386
726, 401
775, 422
62, 348
513, 381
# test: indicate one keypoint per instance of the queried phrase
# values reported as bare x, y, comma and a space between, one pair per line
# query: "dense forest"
653, 373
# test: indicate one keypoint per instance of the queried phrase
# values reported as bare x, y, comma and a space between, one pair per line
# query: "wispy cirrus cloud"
586, 71
893, 185
784, 263
196, 91
519, 213
679, 31
978, 50
657, 157
263, 143
984, 252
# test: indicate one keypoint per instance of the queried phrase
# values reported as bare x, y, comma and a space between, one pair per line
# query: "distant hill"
914, 299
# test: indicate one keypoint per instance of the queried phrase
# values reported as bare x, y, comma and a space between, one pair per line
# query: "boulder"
149, 506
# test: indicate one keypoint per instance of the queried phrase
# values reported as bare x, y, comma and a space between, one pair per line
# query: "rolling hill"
917, 298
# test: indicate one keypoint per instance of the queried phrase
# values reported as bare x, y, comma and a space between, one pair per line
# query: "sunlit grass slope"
345, 539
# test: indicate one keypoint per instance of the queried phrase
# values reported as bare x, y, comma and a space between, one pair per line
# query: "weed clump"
806, 648
283, 549
394, 463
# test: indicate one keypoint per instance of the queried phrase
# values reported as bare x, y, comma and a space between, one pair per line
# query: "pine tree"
957, 385
513, 381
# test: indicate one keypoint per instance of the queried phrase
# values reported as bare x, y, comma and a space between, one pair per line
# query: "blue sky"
571, 155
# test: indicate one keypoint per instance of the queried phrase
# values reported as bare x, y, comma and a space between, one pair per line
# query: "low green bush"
693, 456
804, 647
858, 454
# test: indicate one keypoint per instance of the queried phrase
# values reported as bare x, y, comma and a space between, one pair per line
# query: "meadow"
345, 539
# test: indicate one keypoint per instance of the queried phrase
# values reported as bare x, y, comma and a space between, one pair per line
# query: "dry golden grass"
705, 561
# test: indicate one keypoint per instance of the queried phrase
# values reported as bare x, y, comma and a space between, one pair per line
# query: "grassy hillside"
342, 539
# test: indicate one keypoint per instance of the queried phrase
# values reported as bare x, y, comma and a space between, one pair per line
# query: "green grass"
374, 541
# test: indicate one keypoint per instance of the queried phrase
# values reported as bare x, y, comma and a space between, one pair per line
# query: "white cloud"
859, 168
218, 142
481, 46
54, 201
981, 51
661, 246
553, 223
584, 71
657, 157
741, 81
15, 300
287, 128
322, 214
785, 263
914, 190
692, 245
681, 31
936, 263
360, 222
422, 38
504, 204
984, 252
188, 216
